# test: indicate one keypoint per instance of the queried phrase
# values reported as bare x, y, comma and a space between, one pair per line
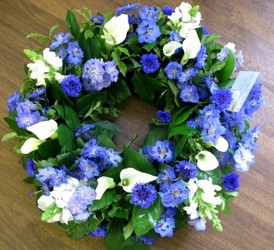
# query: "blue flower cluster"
166, 224
148, 31
98, 74
143, 195
95, 158
27, 111
162, 152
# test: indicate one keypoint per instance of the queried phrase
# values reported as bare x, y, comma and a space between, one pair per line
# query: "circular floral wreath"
186, 169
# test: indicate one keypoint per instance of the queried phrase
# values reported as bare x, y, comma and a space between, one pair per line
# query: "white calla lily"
30, 145
44, 129
115, 30
130, 176
221, 144
206, 161
170, 48
104, 183
191, 45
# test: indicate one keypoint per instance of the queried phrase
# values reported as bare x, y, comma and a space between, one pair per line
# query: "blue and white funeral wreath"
187, 169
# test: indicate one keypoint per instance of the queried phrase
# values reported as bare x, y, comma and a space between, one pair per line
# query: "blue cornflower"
75, 53
30, 167
186, 169
222, 55
71, 86
222, 98
243, 159
26, 107
111, 70
148, 12
148, 31
100, 231
167, 175
187, 74
13, 101
173, 70
97, 19
150, 63
167, 10
143, 195
145, 239
113, 157
165, 226
88, 167
85, 194
59, 39
25, 120
163, 116
189, 94
201, 57
174, 36
231, 181
162, 152
212, 129
37, 94
174, 194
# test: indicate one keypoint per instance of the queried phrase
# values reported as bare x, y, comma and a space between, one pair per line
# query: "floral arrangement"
186, 170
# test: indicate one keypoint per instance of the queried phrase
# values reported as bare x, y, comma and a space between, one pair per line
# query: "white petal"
206, 161
104, 183
115, 30
191, 45
130, 176
44, 202
52, 58
170, 48
65, 216
30, 145
44, 129
221, 144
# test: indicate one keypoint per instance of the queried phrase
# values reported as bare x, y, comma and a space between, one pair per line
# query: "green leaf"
88, 34
10, 120
52, 30
104, 202
118, 92
49, 148
121, 65
72, 24
133, 159
156, 133
108, 126
41, 39
182, 115
91, 46
182, 129
84, 103
65, 137
194, 10
50, 211
149, 46
9, 136
217, 66
143, 220
69, 115
146, 86
228, 68
226, 84
128, 230
32, 55
66, 158
179, 145
119, 212
55, 93
211, 39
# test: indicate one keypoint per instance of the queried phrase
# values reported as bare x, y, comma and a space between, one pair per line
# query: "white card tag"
242, 86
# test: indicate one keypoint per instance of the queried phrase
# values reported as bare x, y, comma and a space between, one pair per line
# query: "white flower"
44, 202
38, 70
65, 216
191, 45
185, 8
115, 30
104, 183
192, 210
59, 77
231, 46
130, 176
221, 144
206, 161
243, 158
51, 57
44, 129
170, 48
30, 145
